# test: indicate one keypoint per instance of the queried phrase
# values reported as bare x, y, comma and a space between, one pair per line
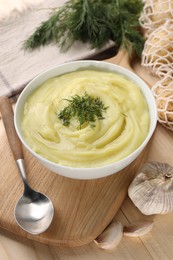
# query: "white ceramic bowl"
86, 173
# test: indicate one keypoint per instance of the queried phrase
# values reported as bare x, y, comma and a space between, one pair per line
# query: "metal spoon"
34, 210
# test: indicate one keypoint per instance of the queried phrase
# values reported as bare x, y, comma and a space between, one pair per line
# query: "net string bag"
157, 55
155, 13
163, 93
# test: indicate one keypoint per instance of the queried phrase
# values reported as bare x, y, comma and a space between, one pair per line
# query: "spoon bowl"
34, 211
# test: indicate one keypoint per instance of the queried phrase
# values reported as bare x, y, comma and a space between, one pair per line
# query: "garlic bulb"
152, 189
111, 236
139, 228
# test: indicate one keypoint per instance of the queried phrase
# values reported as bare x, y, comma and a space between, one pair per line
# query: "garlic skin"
111, 236
139, 228
151, 191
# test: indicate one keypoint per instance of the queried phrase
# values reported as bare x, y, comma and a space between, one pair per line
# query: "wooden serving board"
83, 208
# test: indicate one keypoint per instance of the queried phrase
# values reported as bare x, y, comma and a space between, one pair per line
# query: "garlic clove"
139, 228
111, 236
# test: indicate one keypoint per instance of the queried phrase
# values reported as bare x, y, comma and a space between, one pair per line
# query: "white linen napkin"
18, 67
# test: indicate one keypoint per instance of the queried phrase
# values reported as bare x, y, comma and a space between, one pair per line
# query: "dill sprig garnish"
86, 109
95, 22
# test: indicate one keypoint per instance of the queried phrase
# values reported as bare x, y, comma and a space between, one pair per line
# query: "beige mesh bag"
155, 13
157, 54
163, 93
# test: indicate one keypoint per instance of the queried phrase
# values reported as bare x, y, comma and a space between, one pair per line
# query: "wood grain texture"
156, 245
82, 208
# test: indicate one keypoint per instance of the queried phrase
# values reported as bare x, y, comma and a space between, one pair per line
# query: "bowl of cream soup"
86, 119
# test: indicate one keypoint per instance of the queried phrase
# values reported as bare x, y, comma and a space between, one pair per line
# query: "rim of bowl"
98, 65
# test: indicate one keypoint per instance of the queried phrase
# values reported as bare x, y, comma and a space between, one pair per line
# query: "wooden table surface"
158, 244
155, 245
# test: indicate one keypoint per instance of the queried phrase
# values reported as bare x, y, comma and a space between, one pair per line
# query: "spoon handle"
8, 119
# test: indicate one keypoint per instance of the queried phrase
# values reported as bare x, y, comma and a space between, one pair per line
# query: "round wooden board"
83, 208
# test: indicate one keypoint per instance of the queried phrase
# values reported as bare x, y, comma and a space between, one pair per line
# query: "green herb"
96, 22
86, 109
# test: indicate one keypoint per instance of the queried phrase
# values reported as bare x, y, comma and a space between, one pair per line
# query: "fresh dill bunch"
95, 22
86, 109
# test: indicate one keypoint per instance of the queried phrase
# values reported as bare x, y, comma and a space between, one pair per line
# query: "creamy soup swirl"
123, 129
